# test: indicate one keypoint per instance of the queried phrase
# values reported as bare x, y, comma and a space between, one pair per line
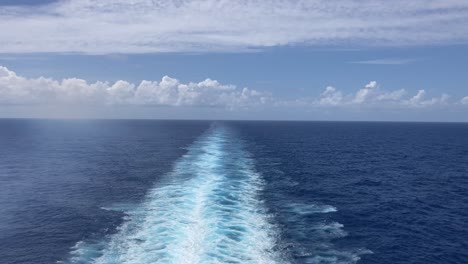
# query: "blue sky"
311, 60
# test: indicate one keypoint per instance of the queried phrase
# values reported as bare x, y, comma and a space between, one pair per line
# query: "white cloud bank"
372, 96
139, 26
19, 90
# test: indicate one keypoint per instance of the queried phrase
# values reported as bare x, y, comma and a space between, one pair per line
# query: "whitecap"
305, 209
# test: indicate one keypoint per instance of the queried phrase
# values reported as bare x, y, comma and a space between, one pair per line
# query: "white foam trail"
207, 211
306, 209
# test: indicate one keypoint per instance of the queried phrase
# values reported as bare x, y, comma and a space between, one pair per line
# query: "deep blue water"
232, 192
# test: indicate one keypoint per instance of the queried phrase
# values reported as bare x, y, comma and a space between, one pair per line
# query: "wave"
306, 209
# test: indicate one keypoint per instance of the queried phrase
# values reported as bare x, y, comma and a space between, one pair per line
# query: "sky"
247, 59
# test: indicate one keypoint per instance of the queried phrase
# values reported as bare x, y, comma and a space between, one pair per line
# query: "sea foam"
207, 210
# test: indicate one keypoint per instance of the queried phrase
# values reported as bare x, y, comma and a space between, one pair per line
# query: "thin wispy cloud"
140, 26
20, 57
389, 61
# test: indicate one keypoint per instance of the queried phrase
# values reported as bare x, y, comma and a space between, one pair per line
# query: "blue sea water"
122, 191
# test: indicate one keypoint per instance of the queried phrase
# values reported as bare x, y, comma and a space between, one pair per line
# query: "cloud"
392, 96
17, 90
365, 93
372, 96
141, 26
419, 100
331, 97
385, 61
464, 100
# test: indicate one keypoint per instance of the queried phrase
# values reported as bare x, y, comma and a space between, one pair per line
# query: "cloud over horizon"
142, 26
19, 90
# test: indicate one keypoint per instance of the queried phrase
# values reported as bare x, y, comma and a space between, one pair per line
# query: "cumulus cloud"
372, 96
363, 94
464, 100
331, 97
139, 26
19, 90
16, 89
419, 100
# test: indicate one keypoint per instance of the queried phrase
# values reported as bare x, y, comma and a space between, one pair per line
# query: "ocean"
146, 191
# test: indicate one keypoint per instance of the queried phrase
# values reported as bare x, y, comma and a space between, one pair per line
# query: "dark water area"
400, 189
56, 176
318, 192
